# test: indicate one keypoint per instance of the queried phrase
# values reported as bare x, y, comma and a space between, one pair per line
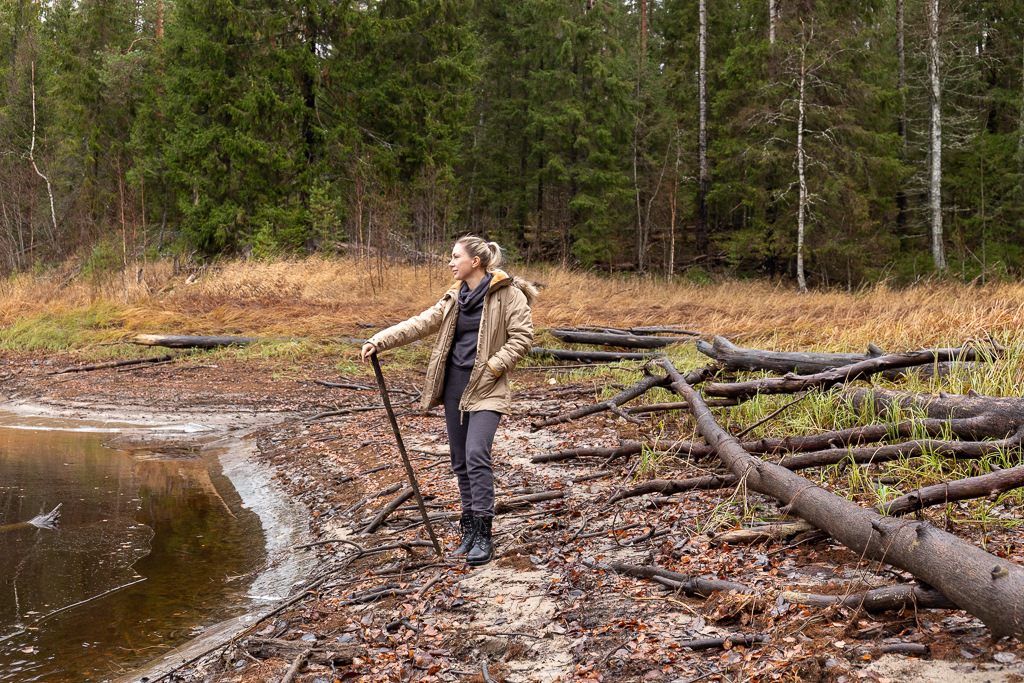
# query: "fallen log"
963, 450
180, 341
115, 364
667, 487
729, 642
792, 384
504, 506
663, 329
678, 405
630, 341
983, 486
982, 584
874, 600
46, 520
592, 356
338, 654
775, 531
975, 417
643, 329
643, 386
376, 522
733, 357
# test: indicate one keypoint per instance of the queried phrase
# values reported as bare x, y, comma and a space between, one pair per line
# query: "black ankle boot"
483, 549
466, 528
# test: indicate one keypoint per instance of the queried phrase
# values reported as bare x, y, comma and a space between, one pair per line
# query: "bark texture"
984, 585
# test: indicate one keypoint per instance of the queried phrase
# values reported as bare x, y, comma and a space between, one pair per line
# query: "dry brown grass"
327, 297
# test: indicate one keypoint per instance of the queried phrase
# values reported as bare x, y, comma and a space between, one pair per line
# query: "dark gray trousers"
470, 437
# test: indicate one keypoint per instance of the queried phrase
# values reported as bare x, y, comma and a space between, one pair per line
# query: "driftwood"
46, 520
984, 585
338, 654
115, 364
630, 341
179, 341
592, 356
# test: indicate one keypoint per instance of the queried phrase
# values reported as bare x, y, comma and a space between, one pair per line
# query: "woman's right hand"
368, 350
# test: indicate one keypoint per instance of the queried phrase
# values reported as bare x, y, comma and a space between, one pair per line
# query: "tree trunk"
984, 585
773, 17
801, 209
901, 119
935, 161
702, 137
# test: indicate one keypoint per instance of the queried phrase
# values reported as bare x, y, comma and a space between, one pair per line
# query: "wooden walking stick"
405, 456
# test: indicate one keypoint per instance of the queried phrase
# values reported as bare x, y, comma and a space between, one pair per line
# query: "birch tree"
702, 144
935, 138
801, 210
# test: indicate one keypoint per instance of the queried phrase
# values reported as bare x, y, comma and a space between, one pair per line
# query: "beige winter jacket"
506, 336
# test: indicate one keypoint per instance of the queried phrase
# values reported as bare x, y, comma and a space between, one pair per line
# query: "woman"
484, 328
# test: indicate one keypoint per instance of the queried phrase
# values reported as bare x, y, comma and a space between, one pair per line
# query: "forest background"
830, 143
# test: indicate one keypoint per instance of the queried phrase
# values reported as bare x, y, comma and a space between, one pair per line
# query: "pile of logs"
949, 570
652, 337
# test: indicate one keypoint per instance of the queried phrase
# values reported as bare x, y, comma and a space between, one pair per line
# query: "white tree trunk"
32, 154
773, 15
801, 279
935, 165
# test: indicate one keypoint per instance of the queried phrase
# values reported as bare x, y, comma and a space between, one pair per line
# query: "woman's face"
462, 264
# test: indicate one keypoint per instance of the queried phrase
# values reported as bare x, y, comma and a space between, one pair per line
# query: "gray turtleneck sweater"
467, 324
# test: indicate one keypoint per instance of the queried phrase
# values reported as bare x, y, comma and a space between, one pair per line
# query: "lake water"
151, 547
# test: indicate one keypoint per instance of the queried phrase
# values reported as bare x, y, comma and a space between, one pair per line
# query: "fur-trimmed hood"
502, 279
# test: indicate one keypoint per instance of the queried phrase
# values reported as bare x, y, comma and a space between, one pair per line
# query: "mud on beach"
381, 607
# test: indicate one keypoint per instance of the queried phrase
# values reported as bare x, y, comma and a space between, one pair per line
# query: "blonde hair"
489, 253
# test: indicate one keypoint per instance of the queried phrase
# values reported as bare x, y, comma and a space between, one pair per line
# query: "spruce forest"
827, 144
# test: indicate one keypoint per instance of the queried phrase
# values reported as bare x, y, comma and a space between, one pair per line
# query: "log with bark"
874, 600
152, 360
649, 382
180, 341
980, 583
592, 356
629, 341
791, 384
732, 357
983, 486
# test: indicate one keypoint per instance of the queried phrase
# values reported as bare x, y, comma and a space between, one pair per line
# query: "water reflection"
161, 537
